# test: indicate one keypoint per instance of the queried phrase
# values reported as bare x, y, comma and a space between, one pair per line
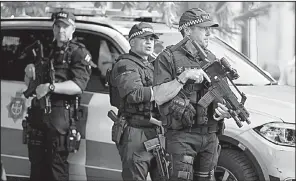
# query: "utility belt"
202, 129
138, 121
138, 108
63, 117
55, 103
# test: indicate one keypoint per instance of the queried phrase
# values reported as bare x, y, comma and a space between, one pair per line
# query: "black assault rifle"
219, 72
44, 73
157, 145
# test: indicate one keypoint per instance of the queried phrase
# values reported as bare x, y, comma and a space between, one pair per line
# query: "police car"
263, 150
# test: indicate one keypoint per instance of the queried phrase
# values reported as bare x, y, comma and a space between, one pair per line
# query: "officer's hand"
221, 112
42, 90
195, 74
30, 71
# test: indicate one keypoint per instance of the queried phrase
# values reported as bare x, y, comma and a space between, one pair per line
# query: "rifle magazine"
206, 100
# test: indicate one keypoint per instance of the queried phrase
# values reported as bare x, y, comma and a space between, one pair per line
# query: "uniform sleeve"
127, 78
80, 67
163, 71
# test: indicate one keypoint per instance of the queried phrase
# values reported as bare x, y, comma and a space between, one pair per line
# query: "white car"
263, 150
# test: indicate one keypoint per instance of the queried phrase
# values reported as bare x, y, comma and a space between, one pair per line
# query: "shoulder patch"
121, 69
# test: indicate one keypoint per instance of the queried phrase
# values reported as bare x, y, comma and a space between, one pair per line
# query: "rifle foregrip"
112, 116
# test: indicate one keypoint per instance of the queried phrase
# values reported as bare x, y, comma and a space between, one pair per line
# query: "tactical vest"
181, 61
143, 109
61, 57
62, 60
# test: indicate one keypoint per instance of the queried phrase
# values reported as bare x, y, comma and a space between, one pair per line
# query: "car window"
247, 72
13, 43
104, 53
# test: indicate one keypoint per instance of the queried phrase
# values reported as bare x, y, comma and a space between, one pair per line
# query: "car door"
97, 157
102, 160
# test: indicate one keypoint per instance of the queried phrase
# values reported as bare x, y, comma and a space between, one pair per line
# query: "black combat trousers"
194, 155
48, 155
136, 161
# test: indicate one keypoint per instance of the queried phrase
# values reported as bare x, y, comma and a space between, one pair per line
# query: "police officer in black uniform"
48, 152
132, 75
178, 85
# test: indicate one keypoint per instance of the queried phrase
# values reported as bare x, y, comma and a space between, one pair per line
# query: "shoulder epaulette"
168, 50
80, 45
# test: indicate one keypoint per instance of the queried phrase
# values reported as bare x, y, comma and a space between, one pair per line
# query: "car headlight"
278, 133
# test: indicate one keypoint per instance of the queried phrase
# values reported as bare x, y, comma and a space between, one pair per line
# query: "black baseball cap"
65, 17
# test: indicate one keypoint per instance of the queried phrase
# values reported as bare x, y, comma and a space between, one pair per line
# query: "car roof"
85, 25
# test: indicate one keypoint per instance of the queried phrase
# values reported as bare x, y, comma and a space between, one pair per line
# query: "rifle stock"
157, 146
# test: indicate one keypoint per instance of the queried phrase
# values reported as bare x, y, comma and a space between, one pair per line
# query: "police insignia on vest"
16, 107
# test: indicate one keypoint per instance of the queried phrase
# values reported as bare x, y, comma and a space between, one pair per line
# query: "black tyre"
233, 165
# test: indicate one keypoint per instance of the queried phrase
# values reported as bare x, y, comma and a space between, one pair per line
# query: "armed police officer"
132, 76
49, 140
179, 82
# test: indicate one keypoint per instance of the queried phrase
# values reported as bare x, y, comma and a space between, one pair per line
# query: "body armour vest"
61, 57
183, 60
146, 74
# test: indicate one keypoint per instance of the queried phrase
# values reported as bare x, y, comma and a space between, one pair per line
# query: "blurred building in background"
274, 38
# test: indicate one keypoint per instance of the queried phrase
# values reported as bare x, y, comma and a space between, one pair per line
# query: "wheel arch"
228, 142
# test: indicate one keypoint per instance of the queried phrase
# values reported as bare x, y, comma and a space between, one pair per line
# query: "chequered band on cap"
143, 30
198, 20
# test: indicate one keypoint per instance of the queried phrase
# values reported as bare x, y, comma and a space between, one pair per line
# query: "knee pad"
205, 176
183, 167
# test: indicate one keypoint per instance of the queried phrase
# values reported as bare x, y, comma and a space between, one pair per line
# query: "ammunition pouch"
180, 113
117, 129
221, 127
201, 115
